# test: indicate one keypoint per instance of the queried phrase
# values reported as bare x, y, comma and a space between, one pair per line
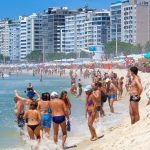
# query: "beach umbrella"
147, 55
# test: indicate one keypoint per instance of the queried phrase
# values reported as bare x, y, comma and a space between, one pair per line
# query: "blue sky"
14, 8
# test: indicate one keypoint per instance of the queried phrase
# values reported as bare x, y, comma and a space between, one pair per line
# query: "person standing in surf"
90, 114
135, 95
44, 108
59, 115
33, 118
19, 111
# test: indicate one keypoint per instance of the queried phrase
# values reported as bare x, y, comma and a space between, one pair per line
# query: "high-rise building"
4, 37
14, 40
86, 28
135, 22
53, 21
31, 34
23, 37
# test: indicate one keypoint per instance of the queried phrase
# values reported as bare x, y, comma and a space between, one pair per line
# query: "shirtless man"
59, 115
135, 93
19, 111
111, 90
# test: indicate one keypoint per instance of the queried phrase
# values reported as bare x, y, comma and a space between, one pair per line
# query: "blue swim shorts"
111, 97
46, 120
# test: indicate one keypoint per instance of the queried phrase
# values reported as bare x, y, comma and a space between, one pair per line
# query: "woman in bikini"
90, 107
33, 118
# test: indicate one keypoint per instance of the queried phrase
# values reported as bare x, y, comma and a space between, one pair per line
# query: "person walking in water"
64, 97
33, 118
59, 115
135, 93
19, 111
90, 107
44, 108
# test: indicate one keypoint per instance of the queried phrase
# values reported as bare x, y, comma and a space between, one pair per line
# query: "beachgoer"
64, 97
135, 93
28, 100
97, 95
111, 92
90, 107
73, 89
33, 118
44, 108
19, 111
59, 115
120, 86
79, 88
102, 90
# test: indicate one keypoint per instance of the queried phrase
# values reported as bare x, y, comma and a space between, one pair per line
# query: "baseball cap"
54, 94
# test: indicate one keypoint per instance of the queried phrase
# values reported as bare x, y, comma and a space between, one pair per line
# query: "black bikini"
33, 127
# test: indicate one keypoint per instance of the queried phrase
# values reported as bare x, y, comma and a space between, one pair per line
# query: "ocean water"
9, 132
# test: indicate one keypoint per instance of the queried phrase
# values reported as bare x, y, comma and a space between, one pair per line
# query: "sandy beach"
126, 136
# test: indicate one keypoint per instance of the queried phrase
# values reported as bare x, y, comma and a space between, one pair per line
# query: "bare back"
58, 107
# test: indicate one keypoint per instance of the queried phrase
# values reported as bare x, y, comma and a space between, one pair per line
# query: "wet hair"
33, 105
46, 96
62, 94
134, 70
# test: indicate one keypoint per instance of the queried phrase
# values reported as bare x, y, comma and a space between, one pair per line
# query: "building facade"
4, 37
53, 21
14, 40
116, 20
86, 28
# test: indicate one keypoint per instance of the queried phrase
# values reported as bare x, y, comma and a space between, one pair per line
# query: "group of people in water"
37, 115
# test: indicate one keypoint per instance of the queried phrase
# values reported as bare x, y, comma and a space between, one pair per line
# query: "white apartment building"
85, 29
14, 40
129, 24
30, 34
4, 37
23, 37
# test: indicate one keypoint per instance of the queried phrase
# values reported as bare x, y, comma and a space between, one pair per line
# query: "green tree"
35, 56
147, 47
123, 48
1, 57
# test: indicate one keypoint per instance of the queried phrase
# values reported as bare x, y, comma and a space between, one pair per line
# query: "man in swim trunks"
59, 115
111, 92
135, 93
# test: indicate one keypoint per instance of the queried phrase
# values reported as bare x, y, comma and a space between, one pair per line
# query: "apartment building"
4, 37
31, 34
86, 28
53, 21
14, 40
116, 20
